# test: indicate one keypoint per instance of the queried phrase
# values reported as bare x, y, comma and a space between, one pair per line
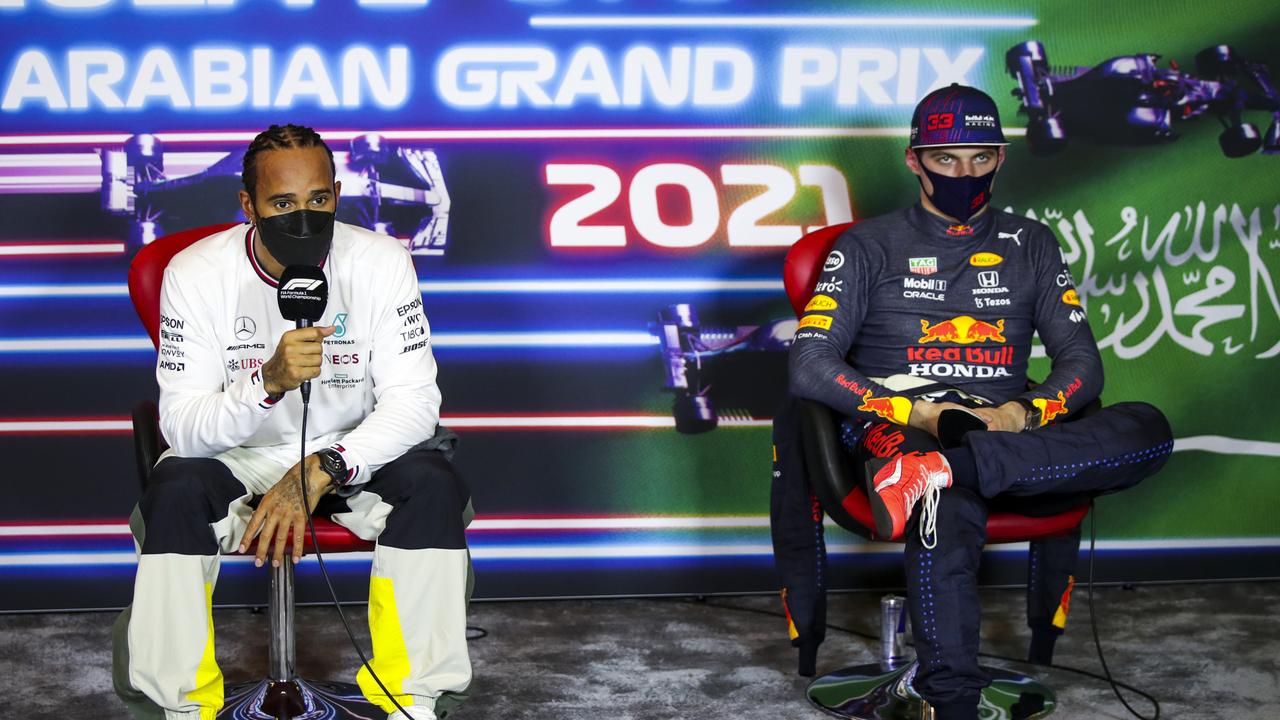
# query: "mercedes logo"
245, 328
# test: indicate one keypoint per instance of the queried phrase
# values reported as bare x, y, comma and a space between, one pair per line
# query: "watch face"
333, 464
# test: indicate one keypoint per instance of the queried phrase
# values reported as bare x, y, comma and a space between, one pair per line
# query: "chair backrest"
146, 272
804, 261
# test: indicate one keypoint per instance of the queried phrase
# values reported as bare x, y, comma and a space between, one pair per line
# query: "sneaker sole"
880, 511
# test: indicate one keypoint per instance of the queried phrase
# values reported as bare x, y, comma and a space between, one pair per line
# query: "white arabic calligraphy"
1133, 322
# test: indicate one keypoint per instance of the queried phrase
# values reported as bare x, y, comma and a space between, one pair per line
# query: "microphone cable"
1105, 676
315, 546
1093, 623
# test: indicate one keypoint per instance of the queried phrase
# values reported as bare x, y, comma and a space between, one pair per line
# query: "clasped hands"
1009, 417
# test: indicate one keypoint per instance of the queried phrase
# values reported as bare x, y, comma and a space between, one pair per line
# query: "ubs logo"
245, 328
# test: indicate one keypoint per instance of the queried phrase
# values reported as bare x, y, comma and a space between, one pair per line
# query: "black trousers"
1040, 472
185, 496
1034, 473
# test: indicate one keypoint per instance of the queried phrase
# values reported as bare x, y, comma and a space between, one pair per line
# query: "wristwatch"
1033, 413
332, 463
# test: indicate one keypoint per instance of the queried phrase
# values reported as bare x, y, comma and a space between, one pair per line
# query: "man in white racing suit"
227, 363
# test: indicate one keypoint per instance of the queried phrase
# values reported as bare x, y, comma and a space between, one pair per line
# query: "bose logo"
302, 284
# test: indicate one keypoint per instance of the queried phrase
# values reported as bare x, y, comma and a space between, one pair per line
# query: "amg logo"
924, 283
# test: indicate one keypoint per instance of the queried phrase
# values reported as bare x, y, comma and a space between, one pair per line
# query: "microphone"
302, 295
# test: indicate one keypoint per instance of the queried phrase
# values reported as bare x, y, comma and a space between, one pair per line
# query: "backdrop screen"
598, 196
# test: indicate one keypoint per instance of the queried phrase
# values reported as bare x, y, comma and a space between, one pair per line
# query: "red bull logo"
960, 230
1050, 408
963, 330
851, 385
880, 441
1071, 297
894, 409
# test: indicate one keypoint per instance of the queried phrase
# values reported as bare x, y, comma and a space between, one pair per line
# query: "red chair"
282, 695
883, 689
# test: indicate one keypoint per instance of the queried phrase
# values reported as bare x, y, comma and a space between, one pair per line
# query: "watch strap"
1033, 414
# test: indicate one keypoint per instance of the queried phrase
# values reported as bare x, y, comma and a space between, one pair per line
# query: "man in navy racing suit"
949, 292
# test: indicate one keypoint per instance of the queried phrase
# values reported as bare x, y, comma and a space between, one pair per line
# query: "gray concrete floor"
1206, 651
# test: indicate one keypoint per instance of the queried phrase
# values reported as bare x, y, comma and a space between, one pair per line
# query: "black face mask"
301, 237
960, 197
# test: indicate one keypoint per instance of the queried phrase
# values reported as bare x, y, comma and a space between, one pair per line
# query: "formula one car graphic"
692, 353
1130, 100
396, 190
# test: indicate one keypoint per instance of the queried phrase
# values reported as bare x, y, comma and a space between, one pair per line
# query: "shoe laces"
929, 512
930, 492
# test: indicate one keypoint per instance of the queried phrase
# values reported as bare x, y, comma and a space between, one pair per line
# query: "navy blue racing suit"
910, 293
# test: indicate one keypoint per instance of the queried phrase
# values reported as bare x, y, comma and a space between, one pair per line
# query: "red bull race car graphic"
748, 362
1130, 99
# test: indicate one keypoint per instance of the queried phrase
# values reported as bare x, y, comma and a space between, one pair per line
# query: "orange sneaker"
894, 485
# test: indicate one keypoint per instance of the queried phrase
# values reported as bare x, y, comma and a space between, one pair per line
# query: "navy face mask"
301, 237
959, 197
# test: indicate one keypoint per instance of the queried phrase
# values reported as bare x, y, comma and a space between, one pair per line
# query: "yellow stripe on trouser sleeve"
208, 690
390, 656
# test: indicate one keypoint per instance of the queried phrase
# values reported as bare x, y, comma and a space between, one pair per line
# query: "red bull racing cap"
956, 115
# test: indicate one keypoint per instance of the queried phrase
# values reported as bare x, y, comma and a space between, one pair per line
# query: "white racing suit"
376, 402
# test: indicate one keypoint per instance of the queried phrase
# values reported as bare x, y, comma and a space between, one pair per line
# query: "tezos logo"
340, 325
245, 327
834, 262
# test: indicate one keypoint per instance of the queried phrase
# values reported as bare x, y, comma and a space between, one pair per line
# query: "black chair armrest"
148, 443
830, 469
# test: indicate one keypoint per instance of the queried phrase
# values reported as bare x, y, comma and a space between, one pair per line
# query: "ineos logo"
245, 328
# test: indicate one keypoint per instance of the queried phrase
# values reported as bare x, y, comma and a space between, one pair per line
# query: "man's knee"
1146, 419
429, 499
178, 506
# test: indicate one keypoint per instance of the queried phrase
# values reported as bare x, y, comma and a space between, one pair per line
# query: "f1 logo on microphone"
302, 284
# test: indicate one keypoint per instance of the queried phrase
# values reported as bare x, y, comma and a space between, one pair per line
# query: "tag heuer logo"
923, 265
